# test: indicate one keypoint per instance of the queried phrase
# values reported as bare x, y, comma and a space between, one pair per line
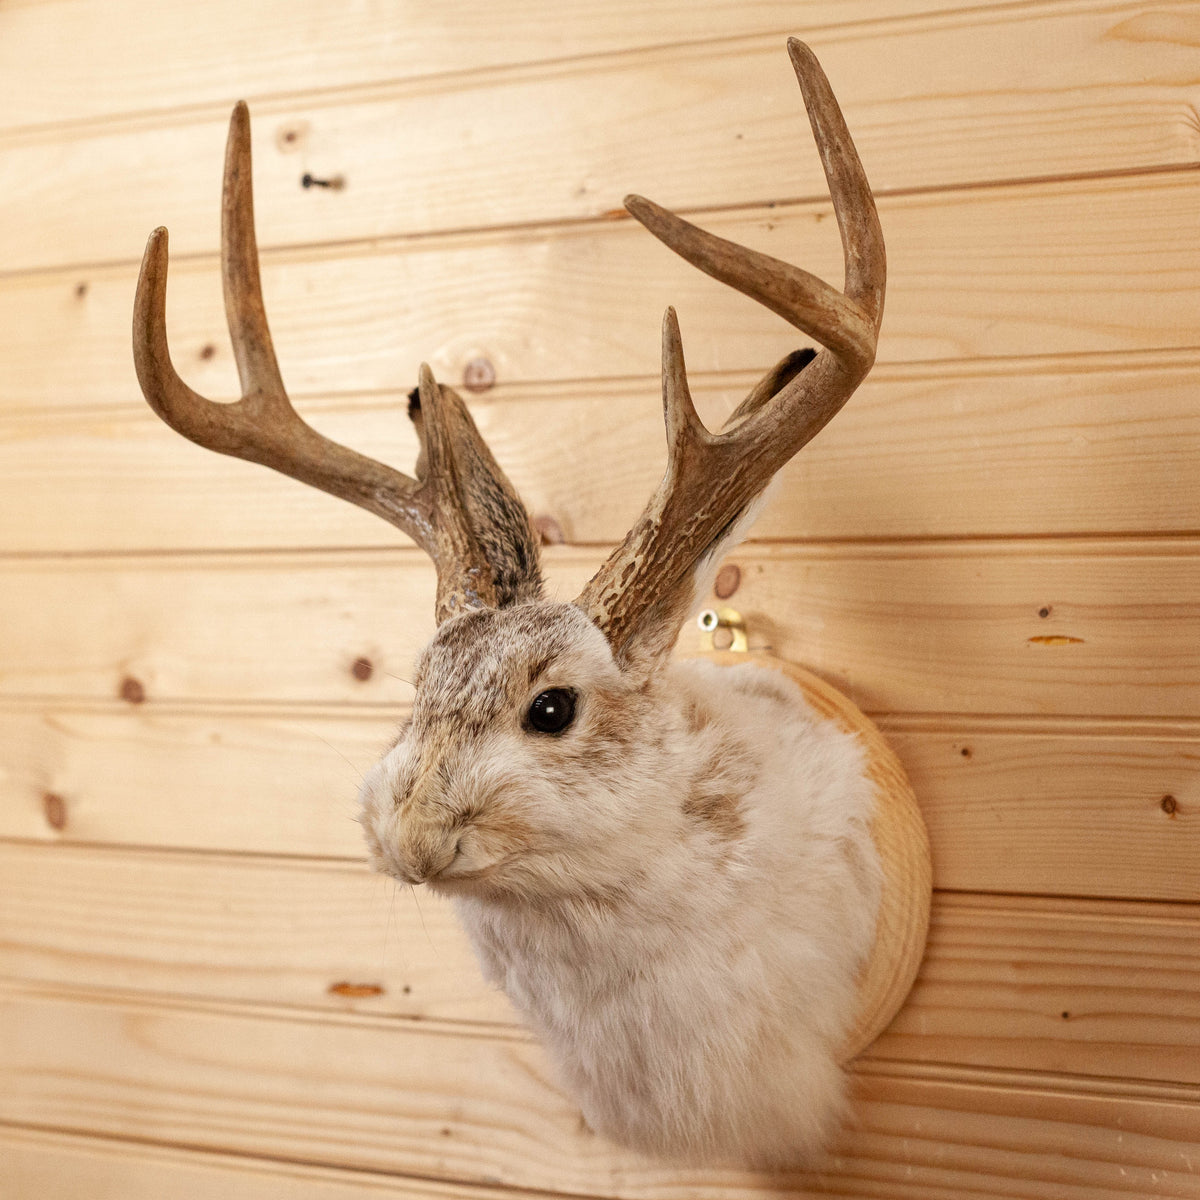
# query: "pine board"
931, 102
1086, 988
58, 1166
997, 450
347, 1091
915, 628
1094, 266
71, 61
1031, 807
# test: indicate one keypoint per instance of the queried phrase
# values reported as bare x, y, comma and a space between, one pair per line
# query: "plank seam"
942, 1074
463, 78
399, 243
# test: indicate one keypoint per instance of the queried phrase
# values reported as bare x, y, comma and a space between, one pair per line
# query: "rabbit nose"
425, 848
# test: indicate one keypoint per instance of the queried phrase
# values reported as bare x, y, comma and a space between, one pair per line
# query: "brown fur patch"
696, 716
719, 811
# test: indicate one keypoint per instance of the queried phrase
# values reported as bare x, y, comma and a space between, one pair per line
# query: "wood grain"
681, 124
1095, 266
59, 1166
917, 453
67, 61
479, 1107
1090, 811
994, 549
997, 977
1074, 808
900, 628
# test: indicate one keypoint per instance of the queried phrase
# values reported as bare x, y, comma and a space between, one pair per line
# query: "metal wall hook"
723, 629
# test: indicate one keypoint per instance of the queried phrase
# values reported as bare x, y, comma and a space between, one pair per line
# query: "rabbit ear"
493, 510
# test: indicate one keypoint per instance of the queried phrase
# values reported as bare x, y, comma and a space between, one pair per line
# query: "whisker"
424, 928
313, 733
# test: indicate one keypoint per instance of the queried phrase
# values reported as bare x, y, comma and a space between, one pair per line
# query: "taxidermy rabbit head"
620, 832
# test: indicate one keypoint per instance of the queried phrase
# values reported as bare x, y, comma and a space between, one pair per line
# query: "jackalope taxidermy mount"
705, 888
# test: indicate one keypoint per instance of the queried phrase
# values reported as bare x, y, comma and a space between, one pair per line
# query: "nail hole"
207, 350
727, 581
55, 808
362, 669
479, 375
965, 752
132, 690
81, 290
289, 137
1066, 1016
1044, 612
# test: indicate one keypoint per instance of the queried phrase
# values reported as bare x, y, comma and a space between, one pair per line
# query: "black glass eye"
552, 711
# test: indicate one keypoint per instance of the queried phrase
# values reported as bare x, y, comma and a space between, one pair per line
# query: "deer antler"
711, 479
461, 510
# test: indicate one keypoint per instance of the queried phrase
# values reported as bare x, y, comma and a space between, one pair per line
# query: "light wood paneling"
1064, 809
917, 453
1093, 811
302, 934
1100, 266
995, 549
1090, 988
58, 1166
479, 1107
69, 60
680, 124
905, 628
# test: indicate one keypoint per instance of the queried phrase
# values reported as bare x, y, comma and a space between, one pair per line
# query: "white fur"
692, 978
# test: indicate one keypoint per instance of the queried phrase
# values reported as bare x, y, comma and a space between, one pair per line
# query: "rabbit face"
489, 789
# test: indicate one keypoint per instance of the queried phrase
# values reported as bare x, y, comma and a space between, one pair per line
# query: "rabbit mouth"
460, 870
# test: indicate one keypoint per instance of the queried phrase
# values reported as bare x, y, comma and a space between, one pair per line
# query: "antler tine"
263, 426
642, 591
245, 313
847, 323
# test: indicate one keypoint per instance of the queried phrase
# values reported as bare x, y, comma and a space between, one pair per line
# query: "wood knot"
549, 531
729, 577
355, 991
479, 375
132, 691
1169, 805
55, 809
362, 669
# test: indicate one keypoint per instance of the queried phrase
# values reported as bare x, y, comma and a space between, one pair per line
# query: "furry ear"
497, 517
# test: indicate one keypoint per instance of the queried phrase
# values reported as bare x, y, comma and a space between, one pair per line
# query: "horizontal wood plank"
302, 934
66, 60
1010, 807
1086, 988
1101, 266
918, 453
698, 126
902, 628
1086, 812
60, 1166
346, 1091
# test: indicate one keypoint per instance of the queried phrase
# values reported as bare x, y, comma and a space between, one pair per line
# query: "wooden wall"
995, 548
